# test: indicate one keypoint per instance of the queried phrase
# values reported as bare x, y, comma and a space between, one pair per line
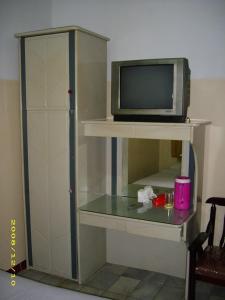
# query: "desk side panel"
198, 148
91, 151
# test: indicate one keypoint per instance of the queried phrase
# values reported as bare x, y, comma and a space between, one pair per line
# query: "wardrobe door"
35, 72
47, 71
59, 197
47, 84
37, 138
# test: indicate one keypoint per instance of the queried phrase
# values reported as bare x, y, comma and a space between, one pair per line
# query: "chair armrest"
195, 250
198, 242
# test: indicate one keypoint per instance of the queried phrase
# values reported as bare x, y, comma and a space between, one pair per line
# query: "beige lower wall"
10, 173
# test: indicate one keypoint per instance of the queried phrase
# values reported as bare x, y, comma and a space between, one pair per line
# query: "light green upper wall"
154, 28
137, 29
19, 16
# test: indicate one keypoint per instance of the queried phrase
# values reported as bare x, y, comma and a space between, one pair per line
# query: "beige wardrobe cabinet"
63, 82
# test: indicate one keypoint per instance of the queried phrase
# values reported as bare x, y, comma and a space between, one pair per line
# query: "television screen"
146, 86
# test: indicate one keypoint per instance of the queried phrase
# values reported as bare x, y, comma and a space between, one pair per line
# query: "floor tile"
136, 273
51, 280
114, 296
201, 296
114, 269
204, 287
203, 290
169, 293
91, 290
218, 291
172, 281
216, 298
102, 280
70, 285
32, 274
155, 277
124, 285
149, 287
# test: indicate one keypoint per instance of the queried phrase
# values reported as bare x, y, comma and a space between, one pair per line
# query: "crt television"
156, 90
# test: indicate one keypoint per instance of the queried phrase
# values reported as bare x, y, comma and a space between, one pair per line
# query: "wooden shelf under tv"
143, 130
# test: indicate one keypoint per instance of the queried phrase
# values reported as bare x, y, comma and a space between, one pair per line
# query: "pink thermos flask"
182, 193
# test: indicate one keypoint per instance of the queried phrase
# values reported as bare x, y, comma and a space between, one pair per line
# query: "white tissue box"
144, 195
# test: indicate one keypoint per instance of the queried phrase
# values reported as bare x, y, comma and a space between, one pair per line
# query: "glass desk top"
128, 207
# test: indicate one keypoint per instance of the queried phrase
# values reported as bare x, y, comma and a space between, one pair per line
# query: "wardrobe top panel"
59, 30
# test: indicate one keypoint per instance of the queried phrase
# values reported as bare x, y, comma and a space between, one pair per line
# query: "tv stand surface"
142, 130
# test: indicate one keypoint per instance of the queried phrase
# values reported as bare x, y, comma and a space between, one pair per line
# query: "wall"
142, 29
10, 173
15, 16
19, 16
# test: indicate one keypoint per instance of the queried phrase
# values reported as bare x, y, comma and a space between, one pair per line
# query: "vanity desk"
120, 210
126, 214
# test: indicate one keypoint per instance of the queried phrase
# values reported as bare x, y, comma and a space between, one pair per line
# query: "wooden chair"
207, 264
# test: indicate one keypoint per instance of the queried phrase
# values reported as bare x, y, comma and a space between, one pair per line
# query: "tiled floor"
120, 283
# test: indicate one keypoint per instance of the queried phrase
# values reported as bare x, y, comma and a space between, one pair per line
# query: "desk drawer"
100, 220
154, 230
132, 226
